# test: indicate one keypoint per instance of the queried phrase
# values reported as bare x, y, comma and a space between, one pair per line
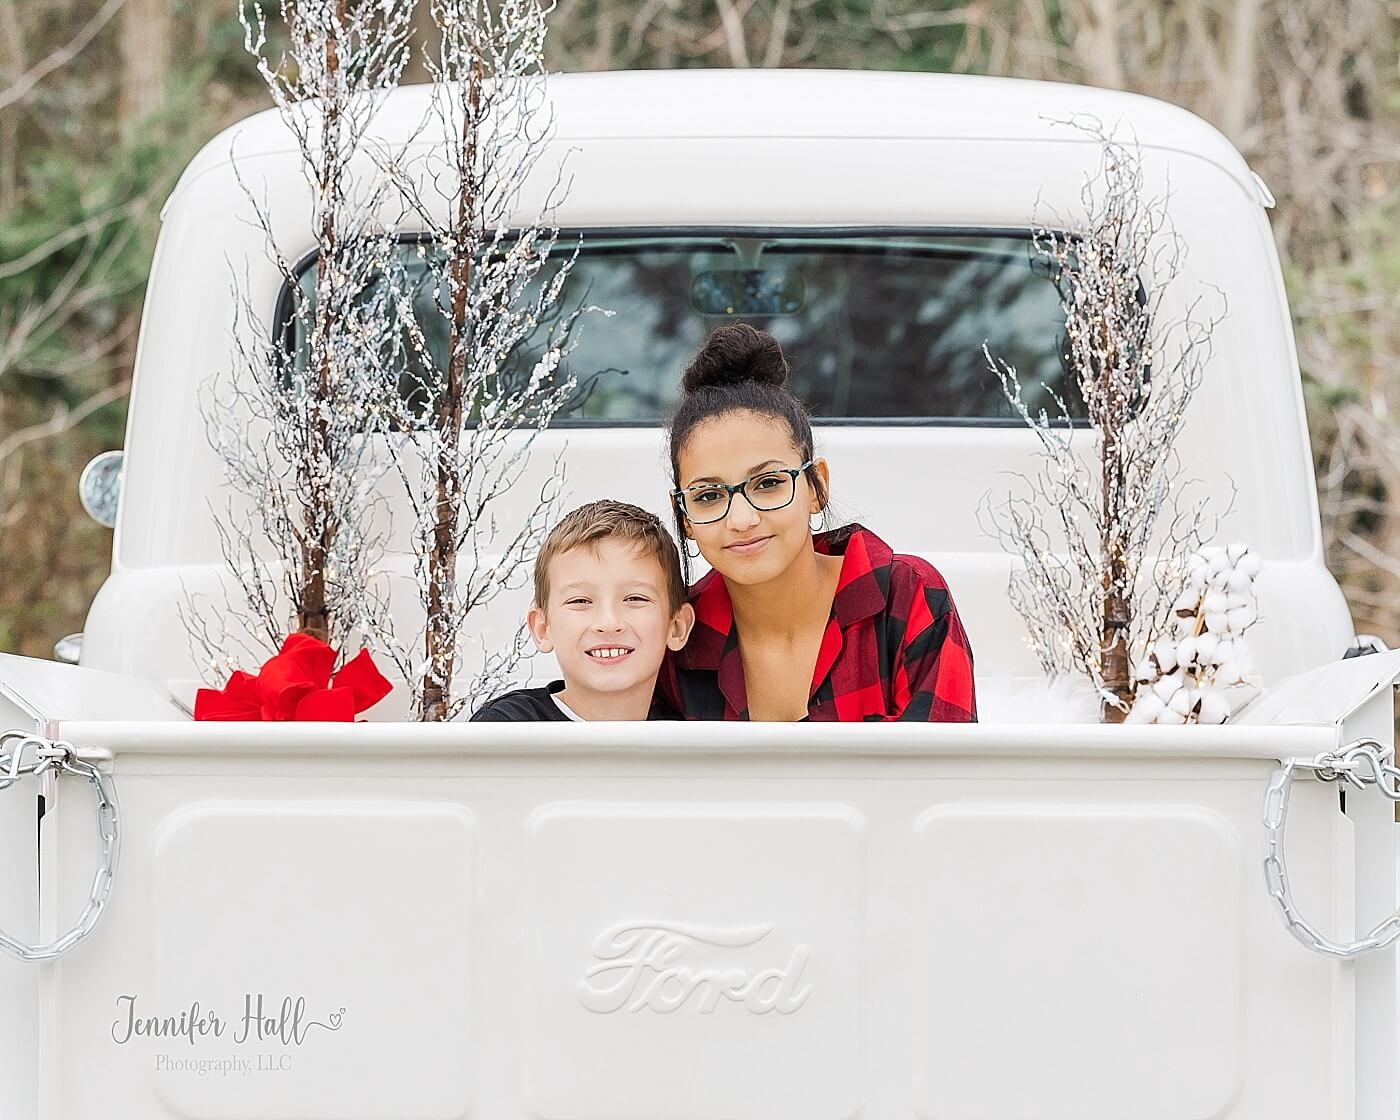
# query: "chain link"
1366, 762
44, 755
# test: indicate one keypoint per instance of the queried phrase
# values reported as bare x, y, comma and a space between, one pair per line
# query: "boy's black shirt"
524, 705
534, 705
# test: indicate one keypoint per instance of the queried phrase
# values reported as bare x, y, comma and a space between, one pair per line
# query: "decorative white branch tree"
1102, 548
497, 282
290, 425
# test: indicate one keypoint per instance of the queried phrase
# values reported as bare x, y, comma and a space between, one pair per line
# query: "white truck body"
980, 922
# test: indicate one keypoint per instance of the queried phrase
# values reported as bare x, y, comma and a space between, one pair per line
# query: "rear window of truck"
880, 327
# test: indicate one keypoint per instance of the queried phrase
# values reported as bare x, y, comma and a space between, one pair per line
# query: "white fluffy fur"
1036, 700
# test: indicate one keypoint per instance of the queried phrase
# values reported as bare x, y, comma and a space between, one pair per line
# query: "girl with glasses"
791, 624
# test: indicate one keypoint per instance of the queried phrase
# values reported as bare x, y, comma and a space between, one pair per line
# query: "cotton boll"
1147, 708
1216, 622
1224, 651
1241, 619
1213, 555
1188, 601
1215, 708
1228, 674
1183, 701
1240, 583
1170, 717
1251, 565
1206, 646
1164, 649
1167, 687
1186, 651
1237, 602
1217, 602
1237, 552
1219, 580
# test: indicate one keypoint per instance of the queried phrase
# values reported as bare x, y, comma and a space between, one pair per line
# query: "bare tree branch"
63, 418
21, 87
60, 241
733, 24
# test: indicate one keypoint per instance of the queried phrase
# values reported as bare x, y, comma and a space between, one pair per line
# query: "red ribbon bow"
297, 684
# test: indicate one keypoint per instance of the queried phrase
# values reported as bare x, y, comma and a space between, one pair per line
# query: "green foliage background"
1309, 90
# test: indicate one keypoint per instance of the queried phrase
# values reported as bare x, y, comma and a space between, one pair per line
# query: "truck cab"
889, 216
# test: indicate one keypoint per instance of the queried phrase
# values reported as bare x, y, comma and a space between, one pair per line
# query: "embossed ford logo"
664, 966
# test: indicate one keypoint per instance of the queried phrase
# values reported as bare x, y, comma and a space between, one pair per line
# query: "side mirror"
69, 649
100, 487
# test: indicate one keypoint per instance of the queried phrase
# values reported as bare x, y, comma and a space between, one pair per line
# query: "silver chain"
23, 754
1363, 763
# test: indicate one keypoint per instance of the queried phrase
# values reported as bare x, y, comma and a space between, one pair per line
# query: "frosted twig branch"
497, 283
1101, 548
291, 425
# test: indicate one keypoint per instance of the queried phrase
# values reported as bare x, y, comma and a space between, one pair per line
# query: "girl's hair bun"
733, 354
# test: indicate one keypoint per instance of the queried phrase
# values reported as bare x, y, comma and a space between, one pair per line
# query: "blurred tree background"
102, 104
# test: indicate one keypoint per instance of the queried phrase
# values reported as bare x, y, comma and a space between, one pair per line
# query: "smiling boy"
609, 602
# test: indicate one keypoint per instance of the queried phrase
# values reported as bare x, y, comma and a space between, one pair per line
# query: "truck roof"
691, 104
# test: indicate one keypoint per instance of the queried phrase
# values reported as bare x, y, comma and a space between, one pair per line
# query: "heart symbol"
335, 1019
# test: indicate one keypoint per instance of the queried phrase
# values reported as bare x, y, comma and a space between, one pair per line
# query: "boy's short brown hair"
609, 520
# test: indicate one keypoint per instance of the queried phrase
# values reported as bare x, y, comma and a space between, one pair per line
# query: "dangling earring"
686, 545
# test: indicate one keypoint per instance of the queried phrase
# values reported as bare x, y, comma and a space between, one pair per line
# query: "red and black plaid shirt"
894, 648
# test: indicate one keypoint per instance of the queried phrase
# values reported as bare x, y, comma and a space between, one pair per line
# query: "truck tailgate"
638, 922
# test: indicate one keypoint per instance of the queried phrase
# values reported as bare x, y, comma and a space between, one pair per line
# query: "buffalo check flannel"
894, 647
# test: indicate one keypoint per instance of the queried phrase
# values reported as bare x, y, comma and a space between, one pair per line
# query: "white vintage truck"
1013, 919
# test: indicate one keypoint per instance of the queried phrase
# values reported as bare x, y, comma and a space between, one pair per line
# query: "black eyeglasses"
709, 502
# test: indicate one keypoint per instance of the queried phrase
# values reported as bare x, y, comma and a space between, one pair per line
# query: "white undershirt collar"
568, 711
